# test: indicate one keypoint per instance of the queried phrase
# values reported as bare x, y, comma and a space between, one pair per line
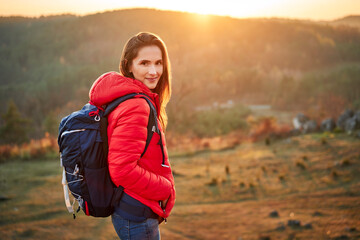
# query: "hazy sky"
304, 9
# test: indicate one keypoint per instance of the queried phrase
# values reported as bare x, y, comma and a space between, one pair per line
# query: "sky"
295, 9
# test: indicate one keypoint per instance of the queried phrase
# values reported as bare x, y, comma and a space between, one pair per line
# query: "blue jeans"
129, 230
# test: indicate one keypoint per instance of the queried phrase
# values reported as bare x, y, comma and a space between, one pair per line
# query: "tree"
15, 128
51, 124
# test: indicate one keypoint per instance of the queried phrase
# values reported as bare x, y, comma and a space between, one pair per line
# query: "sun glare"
314, 9
198, 7
238, 8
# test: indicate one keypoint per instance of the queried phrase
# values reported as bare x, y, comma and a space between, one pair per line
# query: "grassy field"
228, 194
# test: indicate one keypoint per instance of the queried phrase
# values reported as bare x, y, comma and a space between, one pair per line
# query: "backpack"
83, 149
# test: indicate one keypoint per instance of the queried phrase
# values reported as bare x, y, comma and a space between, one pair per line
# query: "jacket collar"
112, 85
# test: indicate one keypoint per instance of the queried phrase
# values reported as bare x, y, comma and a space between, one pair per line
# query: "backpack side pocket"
100, 191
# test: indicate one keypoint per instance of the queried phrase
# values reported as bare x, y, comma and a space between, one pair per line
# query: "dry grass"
225, 194
291, 176
46, 146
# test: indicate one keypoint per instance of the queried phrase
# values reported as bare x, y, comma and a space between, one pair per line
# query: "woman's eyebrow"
147, 60
144, 60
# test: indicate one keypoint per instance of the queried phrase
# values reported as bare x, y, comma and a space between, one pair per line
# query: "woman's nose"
152, 69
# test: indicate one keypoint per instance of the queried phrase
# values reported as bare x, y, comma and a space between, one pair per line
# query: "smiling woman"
145, 175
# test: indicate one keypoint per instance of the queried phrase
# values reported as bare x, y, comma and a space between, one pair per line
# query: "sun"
201, 8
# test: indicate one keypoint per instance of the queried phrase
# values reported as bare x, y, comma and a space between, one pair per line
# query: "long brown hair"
130, 51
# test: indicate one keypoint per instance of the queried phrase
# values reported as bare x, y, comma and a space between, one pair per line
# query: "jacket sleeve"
127, 139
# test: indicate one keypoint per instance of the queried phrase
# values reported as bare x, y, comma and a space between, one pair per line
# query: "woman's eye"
159, 63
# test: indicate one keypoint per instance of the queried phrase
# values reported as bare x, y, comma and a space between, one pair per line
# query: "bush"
334, 174
15, 128
300, 164
281, 177
267, 127
41, 148
213, 182
345, 162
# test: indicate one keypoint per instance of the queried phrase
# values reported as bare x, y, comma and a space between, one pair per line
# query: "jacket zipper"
165, 220
163, 211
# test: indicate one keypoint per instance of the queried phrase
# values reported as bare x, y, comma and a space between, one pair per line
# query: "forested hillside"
48, 64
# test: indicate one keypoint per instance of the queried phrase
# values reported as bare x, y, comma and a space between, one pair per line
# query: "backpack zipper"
72, 131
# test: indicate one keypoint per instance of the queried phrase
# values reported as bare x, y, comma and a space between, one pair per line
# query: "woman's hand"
163, 203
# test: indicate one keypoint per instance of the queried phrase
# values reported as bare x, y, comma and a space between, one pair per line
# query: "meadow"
301, 187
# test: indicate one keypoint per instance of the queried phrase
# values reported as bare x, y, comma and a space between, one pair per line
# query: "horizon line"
169, 10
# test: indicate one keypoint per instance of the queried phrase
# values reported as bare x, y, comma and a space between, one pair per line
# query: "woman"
149, 192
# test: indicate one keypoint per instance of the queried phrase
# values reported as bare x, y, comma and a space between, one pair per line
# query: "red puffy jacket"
144, 179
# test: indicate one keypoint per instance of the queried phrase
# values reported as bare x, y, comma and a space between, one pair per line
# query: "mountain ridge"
47, 65
350, 17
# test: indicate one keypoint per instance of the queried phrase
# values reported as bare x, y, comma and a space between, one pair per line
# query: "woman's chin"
151, 85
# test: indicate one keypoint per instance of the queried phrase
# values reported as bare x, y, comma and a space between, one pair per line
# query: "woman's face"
147, 67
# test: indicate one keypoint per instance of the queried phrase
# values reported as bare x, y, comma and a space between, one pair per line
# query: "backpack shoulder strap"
153, 127
111, 106
152, 123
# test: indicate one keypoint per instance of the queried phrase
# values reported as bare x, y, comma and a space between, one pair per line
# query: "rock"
299, 121
340, 123
341, 237
357, 116
297, 124
317, 214
264, 238
308, 226
274, 214
351, 125
4, 198
280, 227
294, 223
310, 126
328, 125
350, 229
302, 117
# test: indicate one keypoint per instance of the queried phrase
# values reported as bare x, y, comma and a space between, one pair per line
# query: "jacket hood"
112, 85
